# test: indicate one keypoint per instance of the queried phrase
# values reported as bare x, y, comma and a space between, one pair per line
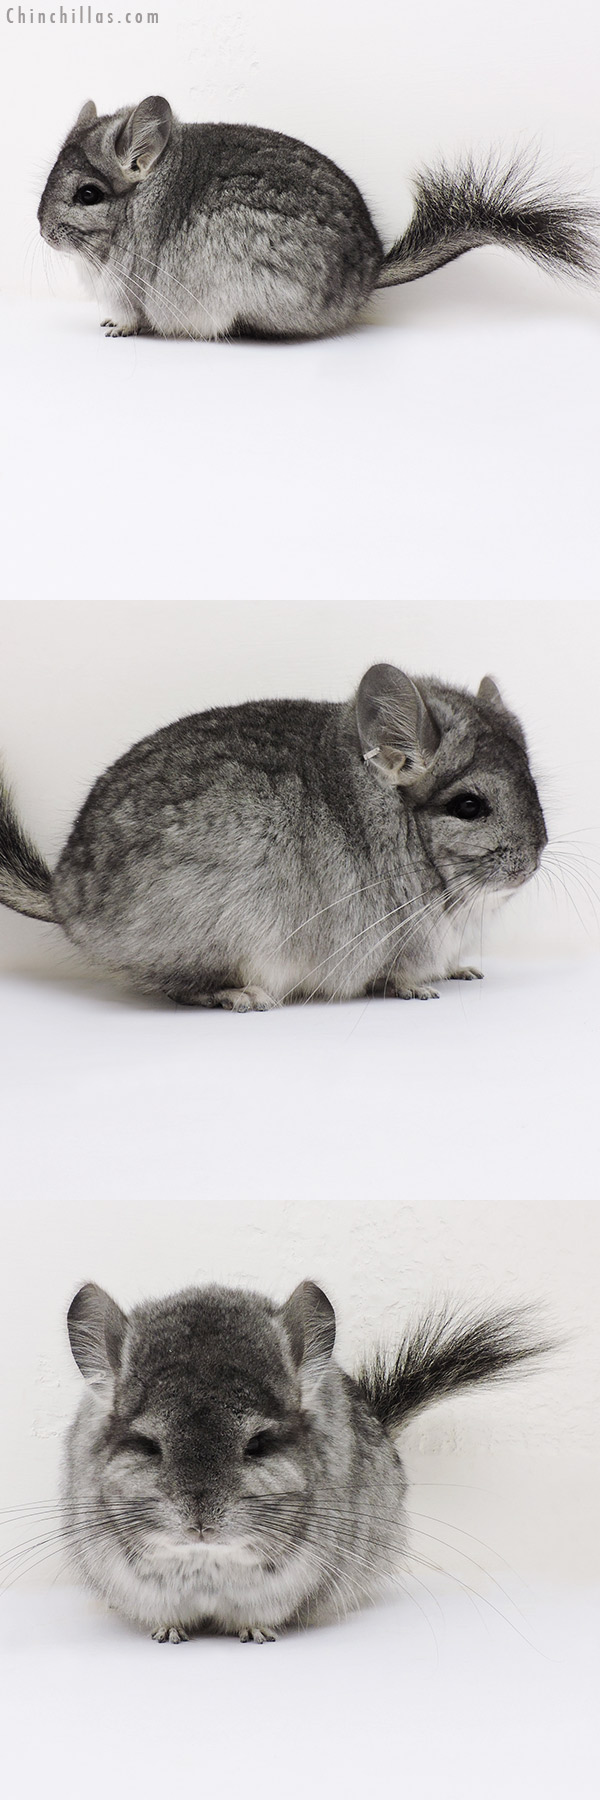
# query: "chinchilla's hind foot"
169, 1634
464, 975
111, 328
253, 1634
246, 999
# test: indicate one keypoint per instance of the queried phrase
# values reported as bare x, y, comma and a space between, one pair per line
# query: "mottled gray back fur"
223, 1470
208, 231
285, 849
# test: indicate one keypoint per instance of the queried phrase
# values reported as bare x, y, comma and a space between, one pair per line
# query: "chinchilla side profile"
210, 231
224, 1472
290, 849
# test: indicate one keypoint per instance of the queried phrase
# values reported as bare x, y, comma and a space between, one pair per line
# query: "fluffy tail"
25, 880
460, 210
442, 1354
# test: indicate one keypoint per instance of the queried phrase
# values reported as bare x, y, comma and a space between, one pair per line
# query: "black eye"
467, 806
262, 1444
146, 1446
89, 195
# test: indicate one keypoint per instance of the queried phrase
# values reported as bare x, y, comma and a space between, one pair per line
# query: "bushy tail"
25, 880
442, 1354
459, 210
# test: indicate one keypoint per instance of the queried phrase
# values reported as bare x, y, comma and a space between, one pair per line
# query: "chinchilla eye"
145, 1445
467, 806
89, 194
261, 1444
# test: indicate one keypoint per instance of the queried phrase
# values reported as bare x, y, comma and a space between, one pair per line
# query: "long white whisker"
348, 945
183, 285
134, 289
350, 895
420, 913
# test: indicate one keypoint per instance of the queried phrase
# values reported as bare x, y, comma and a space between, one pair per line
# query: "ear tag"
369, 755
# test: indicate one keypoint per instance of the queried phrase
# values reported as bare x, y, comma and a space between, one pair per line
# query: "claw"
253, 1634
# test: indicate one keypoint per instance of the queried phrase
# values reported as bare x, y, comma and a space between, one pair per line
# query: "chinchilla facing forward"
290, 849
209, 231
224, 1472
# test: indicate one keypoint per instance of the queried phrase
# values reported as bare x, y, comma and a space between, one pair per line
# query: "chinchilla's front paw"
392, 987
111, 328
169, 1634
464, 975
417, 990
255, 1634
247, 999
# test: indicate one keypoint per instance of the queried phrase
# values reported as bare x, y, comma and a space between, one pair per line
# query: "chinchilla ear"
143, 137
86, 117
396, 731
96, 1328
309, 1320
489, 690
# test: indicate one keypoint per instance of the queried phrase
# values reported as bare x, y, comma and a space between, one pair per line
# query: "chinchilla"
224, 1472
208, 231
292, 849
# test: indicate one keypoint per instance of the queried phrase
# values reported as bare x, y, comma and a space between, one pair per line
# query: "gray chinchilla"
223, 1471
286, 849
208, 231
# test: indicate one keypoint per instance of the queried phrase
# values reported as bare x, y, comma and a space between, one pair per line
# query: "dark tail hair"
459, 210
442, 1354
25, 879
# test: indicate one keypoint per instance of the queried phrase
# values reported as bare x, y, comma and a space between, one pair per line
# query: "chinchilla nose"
202, 1517
46, 230
202, 1533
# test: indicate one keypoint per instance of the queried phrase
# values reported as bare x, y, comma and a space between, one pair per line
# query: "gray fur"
224, 1472
285, 849
208, 231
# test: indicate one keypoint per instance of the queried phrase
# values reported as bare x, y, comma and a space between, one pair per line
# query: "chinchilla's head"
460, 764
198, 1425
102, 165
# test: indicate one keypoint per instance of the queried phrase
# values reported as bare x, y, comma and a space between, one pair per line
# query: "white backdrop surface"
447, 1705
457, 1707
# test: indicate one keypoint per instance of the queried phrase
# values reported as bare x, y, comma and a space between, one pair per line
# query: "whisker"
185, 289
350, 895
430, 906
347, 946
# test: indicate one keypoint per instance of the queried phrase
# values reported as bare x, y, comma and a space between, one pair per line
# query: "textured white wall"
382, 89
78, 685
